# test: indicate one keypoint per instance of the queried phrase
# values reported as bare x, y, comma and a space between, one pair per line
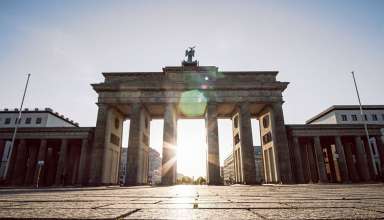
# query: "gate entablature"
221, 87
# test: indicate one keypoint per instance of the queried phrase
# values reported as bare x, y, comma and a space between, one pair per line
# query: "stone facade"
188, 92
64, 152
335, 153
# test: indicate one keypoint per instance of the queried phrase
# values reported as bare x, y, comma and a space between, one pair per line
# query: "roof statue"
190, 53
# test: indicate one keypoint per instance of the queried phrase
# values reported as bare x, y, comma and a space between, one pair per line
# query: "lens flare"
192, 103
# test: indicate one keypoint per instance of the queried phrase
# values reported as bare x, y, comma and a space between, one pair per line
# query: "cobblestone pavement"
197, 202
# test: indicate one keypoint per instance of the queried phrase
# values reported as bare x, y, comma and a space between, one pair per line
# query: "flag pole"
362, 117
18, 120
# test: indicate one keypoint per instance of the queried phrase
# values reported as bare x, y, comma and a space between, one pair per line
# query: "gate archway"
189, 91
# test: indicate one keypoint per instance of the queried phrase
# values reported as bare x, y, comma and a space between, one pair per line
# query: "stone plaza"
302, 201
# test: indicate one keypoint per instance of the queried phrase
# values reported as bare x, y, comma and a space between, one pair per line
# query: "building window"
266, 121
354, 117
114, 139
38, 120
117, 123
146, 123
17, 120
344, 117
28, 121
236, 121
373, 149
145, 139
267, 138
374, 117
7, 121
236, 139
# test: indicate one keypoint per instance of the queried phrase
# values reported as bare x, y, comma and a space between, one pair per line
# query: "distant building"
154, 172
349, 114
221, 172
34, 118
229, 170
123, 164
154, 166
259, 163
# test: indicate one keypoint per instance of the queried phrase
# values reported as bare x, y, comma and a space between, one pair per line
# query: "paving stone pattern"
197, 202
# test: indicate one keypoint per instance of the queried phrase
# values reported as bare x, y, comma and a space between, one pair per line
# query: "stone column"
380, 148
311, 163
370, 160
168, 170
40, 156
133, 146
281, 144
362, 162
298, 161
350, 163
19, 170
96, 168
247, 154
341, 159
31, 161
320, 160
213, 162
83, 160
2, 147
60, 171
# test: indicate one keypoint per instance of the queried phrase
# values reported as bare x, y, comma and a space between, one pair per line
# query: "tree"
200, 181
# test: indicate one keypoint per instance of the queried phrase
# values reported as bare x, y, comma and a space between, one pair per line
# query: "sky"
314, 45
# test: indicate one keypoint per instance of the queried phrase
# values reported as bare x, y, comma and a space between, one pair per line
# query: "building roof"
312, 130
48, 133
343, 107
45, 110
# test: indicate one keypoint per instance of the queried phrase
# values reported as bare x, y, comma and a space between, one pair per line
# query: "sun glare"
191, 147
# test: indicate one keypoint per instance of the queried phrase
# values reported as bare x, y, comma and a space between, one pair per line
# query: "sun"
191, 147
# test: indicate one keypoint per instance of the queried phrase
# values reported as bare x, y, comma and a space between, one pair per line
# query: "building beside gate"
34, 118
333, 147
64, 151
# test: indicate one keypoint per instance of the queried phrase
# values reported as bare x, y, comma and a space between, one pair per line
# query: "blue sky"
314, 44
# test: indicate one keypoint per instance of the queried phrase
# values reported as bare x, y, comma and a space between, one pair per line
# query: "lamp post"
363, 118
18, 120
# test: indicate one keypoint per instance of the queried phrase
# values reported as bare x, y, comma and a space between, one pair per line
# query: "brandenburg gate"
189, 91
